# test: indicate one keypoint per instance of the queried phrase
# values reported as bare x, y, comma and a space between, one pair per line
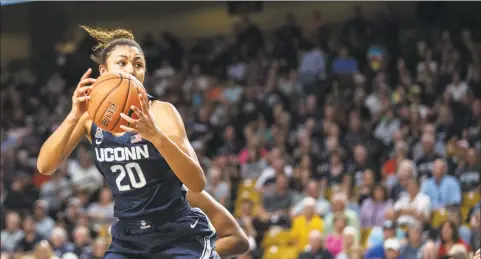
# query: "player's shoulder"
165, 109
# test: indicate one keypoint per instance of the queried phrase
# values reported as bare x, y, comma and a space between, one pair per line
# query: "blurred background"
328, 129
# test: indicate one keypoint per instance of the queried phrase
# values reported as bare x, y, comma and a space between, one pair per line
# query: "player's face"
126, 59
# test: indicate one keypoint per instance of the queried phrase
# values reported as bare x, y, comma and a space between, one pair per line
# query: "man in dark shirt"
316, 249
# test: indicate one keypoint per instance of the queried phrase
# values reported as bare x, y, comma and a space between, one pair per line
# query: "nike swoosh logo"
195, 224
98, 141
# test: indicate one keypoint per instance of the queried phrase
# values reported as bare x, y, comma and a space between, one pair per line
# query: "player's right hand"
80, 96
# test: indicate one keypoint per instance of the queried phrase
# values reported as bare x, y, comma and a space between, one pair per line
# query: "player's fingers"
128, 119
83, 98
127, 129
143, 102
86, 74
86, 81
137, 111
84, 89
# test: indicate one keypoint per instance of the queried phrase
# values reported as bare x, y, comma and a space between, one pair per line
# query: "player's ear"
102, 69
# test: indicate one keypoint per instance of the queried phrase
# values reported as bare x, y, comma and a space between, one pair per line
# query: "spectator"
373, 208
335, 240
386, 128
303, 224
338, 205
389, 229
59, 241
311, 190
312, 68
12, 234
56, 190
391, 249
469, 172
82, 239
475, 224
43, 223
99, 248
414, 206
316, 248
442, 189
350, 244
426, 160
344, 64
43, 250
367, 186
276, 206
83, 173
102, 212
30, 236
457, 88
217, 187
414, 242
449, 237
430, 250
406, 170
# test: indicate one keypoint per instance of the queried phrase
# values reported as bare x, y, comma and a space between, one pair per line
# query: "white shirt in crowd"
420, 203
458, 91
85, 178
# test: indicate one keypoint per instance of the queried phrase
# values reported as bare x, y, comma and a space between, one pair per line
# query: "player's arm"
61, 143
67, 136
232, 240
176, 148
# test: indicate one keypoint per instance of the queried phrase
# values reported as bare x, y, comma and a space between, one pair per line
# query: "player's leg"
198, 237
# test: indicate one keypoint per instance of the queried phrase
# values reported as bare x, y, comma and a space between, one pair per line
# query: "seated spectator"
312, 190
316, 247
217, 187
43, 223
391, 249
350, 243
429, 251
389, 167
449, 236
442, 189
414, 206
373, 208
99, 247
475, 225
30, 236
303, 224
82, 239
426, 159
60, 242
454, 215
102, 212
457, 88
414, 241
344, 64
335, 240
338, 205
368, 182
44, 250
12, 234
275, 207
406, 170
389, 229
459, 252
469, 172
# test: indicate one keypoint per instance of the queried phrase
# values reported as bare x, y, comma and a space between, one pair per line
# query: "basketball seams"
125, 104
106, 96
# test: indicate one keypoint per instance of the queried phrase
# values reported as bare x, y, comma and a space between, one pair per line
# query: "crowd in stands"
357, 142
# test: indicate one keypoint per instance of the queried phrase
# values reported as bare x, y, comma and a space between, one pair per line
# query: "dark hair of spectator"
454, 231
107, 40
384, 191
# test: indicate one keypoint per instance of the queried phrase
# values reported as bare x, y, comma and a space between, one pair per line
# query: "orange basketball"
112, 94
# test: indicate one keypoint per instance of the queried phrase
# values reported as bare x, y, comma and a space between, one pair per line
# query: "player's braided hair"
108, 40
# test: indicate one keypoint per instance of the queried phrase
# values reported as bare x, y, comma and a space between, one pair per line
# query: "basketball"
111, 95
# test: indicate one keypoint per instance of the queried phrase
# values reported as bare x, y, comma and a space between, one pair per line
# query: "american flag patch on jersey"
135, 138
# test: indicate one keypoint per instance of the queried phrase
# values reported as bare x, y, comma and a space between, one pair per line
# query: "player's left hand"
145, 125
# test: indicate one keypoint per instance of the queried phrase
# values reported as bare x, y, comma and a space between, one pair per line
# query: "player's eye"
139, 65
121, 63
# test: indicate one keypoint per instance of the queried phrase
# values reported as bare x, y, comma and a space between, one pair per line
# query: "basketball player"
150, 186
